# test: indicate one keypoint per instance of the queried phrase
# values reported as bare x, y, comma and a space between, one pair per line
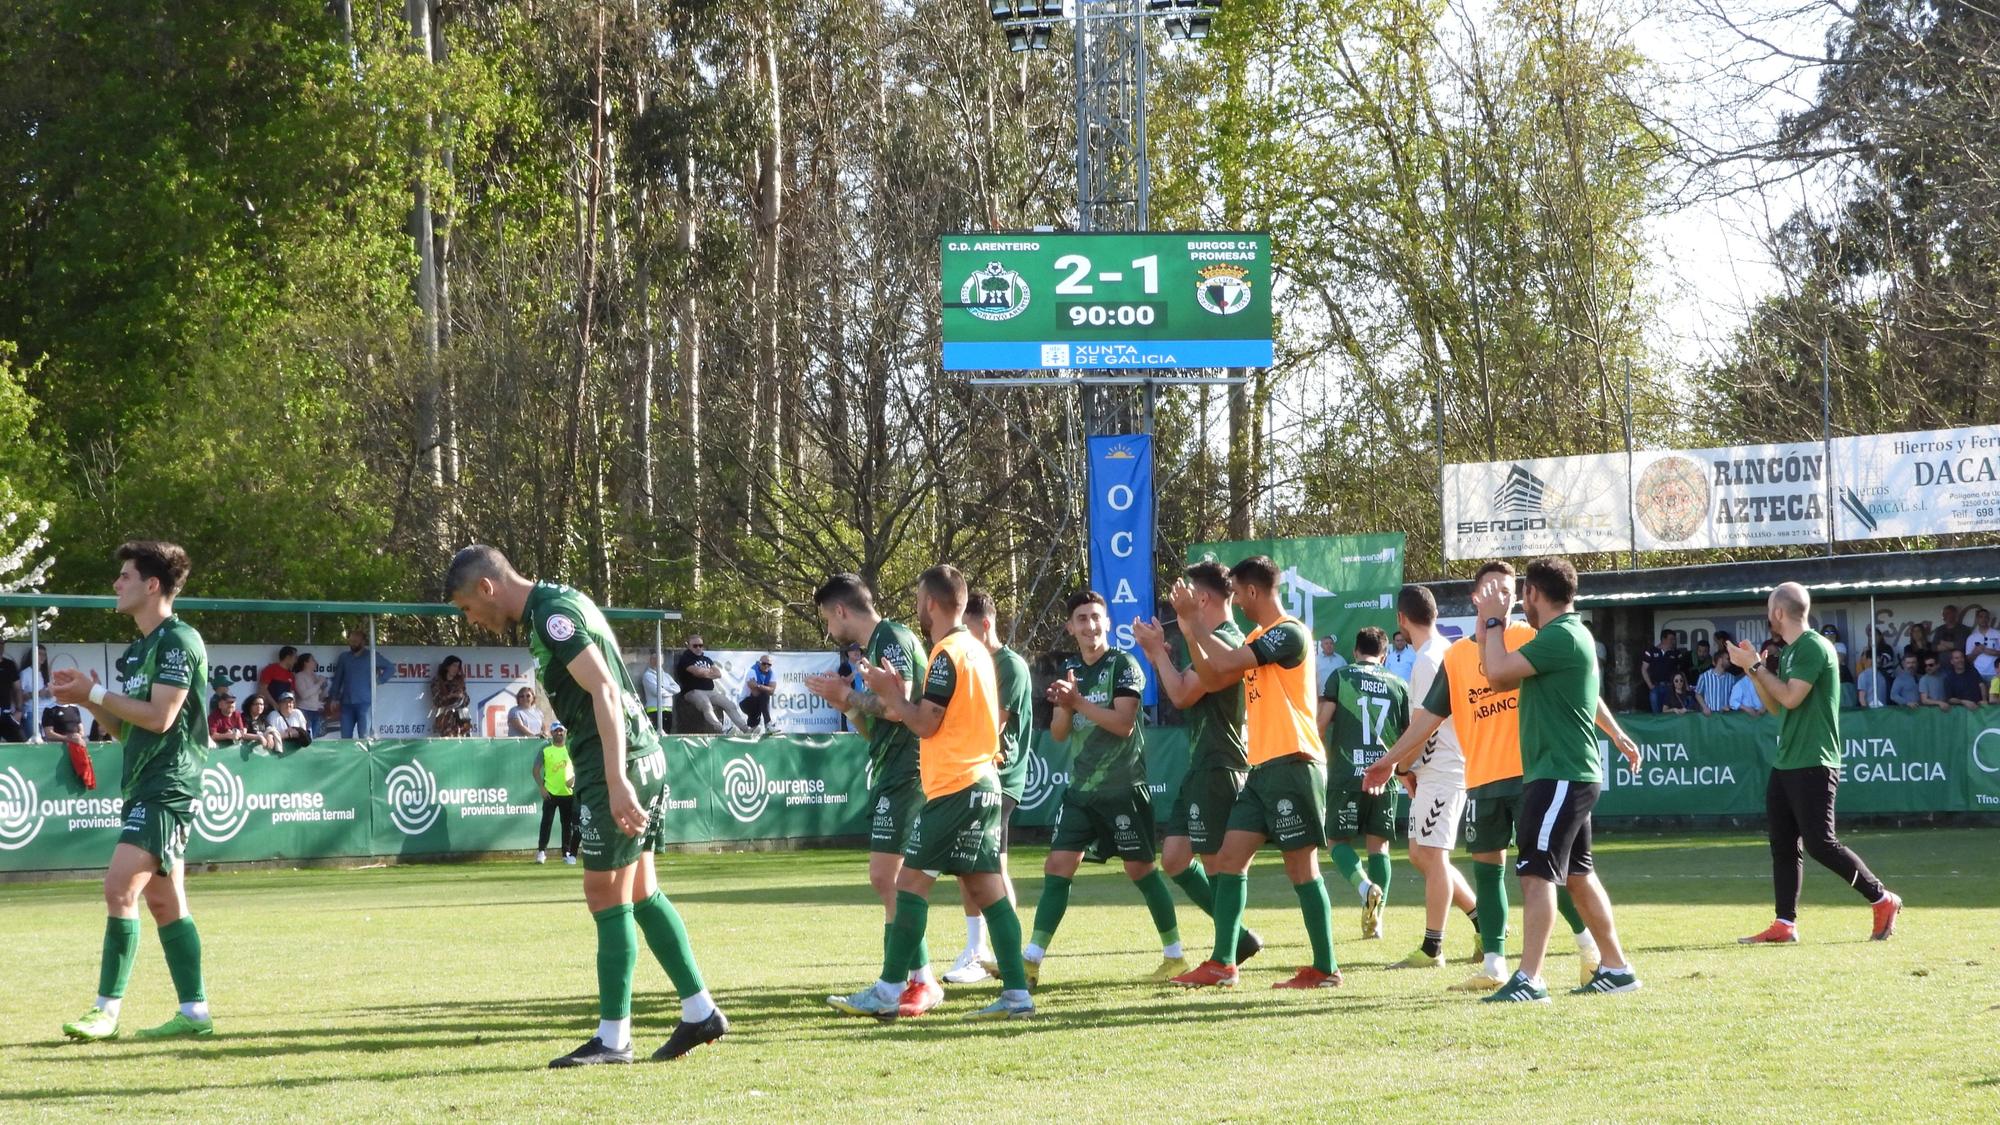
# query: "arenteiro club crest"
1223, 289
994, 293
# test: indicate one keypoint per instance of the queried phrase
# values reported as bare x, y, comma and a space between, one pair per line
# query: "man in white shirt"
1402, 659
36, 696
1330, 659
1983, 645
289, 723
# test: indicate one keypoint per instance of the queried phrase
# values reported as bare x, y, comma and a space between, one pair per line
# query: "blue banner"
1121, 534
1058, 356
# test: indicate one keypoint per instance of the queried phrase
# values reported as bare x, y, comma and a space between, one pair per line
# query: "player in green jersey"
162, 717
1218, 756
1108, 808
895, 792
1017, 718
621, 789
1362, 711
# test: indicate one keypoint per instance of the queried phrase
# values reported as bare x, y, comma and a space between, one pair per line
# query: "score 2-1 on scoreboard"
1121, 301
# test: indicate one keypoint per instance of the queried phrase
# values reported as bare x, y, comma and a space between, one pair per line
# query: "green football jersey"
1100, 760
1809, 734
1017, 718
1216, 720
165, 768
892, 749
1371, 708
1559, 705
562, 622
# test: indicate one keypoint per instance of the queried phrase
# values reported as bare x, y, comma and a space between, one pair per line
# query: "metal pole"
659, 674
1631, 517
1079, 42
1444, 519
373, 661
35, 666
1145, 179
1826, 439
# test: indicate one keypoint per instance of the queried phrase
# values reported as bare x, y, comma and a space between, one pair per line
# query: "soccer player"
957, 720
162, 716
1557, 674
1806, 776
1362, 710
896, 793
1437, 776
621, 782
1017, 717
1107, 803
1284, 799
1218, 759
1486, 724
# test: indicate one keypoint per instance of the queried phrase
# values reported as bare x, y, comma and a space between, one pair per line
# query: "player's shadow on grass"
125, 1092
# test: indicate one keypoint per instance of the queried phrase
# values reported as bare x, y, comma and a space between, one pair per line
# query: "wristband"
1493, 623
97, 694
1757, 667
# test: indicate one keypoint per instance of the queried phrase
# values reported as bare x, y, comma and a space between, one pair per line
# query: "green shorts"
1353, 811
604, 846
1492, 812
160, 830
1201, 809
1113, 822
959, 833
1284, 801
896, 804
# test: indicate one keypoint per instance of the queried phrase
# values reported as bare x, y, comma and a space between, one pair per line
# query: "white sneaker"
570, 859
541, 857
966, 970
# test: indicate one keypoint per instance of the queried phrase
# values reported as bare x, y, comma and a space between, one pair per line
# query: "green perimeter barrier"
436, 797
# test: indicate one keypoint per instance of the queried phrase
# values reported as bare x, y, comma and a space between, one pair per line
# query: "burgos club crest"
1223, 289
994, 293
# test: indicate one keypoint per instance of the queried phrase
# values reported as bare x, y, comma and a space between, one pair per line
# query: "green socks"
1004, 926
1160, 901
1378, 872
1347, 863
1050, 910
1194, 883
1489, 888
1318, 911
617, 956
1232, 894
183, 948
1567, 906
906, 936
121, 945
667, 937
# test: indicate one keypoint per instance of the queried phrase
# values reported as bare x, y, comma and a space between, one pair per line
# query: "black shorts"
1554, 841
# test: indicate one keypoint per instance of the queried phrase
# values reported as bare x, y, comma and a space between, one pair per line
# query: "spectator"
758, 687
1330, 659
1951, 632
1983, 646
451, 707
34, 693
1832, 633
556, 774
310, 686
289, 723
1715, 685
1657, 666
524, 719
1688, 667
653, 693
277, 675
1682, 699
1931, 686
1402, 659
1963, 685
1905, 690
1871, 687
257, 720
62, 722
1917, 642
225, 723
701, 709
10, 700
848, 658
353, 688
1743, 697
1703, 658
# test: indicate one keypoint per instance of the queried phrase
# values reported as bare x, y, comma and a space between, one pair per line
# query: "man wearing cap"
289, 723
758, 687
557, 778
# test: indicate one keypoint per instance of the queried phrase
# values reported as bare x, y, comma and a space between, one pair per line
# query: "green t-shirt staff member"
1558, 678
556, 776
1805, 688
162, 719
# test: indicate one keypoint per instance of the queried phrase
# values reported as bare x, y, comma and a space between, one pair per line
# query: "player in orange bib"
957, 724
1487, 725
1284, 798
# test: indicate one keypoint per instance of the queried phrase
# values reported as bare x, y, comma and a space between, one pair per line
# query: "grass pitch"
439, 992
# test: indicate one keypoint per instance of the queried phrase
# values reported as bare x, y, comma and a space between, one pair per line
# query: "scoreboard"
1112, 301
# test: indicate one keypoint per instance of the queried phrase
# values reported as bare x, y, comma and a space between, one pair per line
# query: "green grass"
420, 992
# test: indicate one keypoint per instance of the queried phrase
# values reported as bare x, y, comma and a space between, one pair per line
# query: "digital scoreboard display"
1112, 301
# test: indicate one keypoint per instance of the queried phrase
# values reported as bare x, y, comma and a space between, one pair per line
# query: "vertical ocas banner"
1121, 533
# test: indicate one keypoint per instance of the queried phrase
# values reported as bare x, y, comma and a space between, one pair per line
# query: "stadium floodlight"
1054, 9
1200, 25
1017, 38
1039, 36
1001, 10
1158, 5
1177, 29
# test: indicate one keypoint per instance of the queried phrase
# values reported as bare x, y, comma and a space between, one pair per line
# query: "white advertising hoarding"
1928, 482
1538, 506
1733, 496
